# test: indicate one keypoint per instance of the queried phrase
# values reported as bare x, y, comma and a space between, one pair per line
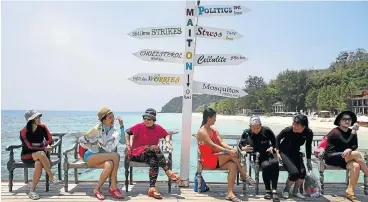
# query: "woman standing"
261, 139
210, 144
288, 144
342, 143
100, 142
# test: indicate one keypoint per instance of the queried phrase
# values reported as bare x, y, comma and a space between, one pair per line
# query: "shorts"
335, 159
86, 155
28, 161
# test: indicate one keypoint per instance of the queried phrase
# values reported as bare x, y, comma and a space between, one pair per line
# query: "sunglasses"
346, 119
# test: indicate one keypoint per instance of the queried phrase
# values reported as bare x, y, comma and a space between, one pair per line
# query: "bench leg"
76, 176
199, 182
11, 176
59, 170
257, 179
26, 175
47, 182
321, 179
66, 175
131, 176
126, 178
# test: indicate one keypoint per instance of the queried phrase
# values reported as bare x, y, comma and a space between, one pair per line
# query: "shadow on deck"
84, 192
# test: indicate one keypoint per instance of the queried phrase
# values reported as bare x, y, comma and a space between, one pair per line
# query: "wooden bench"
129, 165
200, 167
255, 165
54, 156
77, 163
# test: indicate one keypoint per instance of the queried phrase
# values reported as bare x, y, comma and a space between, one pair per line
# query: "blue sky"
78, 56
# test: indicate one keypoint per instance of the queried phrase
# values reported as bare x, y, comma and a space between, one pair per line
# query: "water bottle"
44, 144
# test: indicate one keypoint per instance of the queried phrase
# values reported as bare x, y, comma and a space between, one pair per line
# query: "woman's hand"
346, 153
270, 150
121, 122
279, 157
48, 148
247, 148
233, 152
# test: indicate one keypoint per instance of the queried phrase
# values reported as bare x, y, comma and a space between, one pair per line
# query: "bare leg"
355, 156
108, 167
354, 169
226, 158
231, 166
298, 183
36, 175
114, 173
41, 156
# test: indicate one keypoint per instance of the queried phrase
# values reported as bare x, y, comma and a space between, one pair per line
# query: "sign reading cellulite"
217, 89
219, 59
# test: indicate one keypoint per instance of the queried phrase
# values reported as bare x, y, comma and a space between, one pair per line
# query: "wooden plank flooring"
82, 192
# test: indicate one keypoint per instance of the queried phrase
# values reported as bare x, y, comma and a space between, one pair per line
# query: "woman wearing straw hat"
342, 143
36, 139
100, 142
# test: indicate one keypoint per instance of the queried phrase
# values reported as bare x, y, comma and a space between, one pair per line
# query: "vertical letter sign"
187, 91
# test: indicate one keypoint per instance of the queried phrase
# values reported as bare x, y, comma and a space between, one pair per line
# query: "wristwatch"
355, 127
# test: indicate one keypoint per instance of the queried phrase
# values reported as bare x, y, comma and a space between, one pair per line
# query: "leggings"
270, 171
293, 163
153, 156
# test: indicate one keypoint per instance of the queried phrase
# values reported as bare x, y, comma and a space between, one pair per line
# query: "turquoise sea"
77, 121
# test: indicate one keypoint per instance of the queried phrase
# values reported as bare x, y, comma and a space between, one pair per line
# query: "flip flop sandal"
55, 181
114, 193
248, 180
174, 178
154, 194
99, 195
233, 199
352, 197
33, 196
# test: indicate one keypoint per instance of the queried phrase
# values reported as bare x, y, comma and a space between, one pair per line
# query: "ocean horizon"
12, 121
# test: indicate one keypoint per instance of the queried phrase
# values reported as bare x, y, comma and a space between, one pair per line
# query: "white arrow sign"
156, 32
217, 89
216, 33
219, 59
160, 56
157, 79
221, 10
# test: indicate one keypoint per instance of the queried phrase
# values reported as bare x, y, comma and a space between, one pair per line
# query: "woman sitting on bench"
288, 144
145, 148
342, 143
261, 139
36, 140
211, 146
100, 142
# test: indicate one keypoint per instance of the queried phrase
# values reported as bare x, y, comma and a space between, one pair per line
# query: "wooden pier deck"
82, 192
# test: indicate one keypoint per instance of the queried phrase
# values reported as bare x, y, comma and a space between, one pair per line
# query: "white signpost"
216, 33
157, 79
190, 59
156, 32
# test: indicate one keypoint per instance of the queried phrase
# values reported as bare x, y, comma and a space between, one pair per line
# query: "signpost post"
190, 60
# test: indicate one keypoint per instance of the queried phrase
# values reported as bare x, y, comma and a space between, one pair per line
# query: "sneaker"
285, 194
299, 195
268, 195
275, 196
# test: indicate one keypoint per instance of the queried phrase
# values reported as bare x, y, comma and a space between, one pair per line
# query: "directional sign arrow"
219, 59
188, 83
160, 56
157, 79
217, 33
221, 10
218, 89
156, 32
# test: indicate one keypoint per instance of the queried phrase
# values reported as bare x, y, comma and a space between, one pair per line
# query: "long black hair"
302, 120
29, 126
207, 113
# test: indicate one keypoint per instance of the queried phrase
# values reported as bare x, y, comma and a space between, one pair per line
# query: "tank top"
205, 149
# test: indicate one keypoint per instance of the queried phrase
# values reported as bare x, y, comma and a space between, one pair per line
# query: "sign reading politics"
156, 32
221, 10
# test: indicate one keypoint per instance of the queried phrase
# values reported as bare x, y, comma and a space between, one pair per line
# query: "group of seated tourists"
101, 142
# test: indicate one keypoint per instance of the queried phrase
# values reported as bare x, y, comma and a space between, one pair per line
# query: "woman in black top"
36, 139
261, 139
288, 144
342, 143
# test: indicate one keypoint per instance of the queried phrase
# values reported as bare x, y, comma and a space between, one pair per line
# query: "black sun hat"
350, 113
